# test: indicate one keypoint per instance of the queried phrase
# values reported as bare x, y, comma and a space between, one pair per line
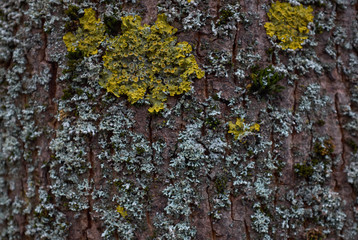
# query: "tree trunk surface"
77, 162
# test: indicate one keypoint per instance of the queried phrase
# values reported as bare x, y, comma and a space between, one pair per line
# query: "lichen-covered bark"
79, 163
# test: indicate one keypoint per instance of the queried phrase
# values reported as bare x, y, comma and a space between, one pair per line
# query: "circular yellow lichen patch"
289, 24
147, 62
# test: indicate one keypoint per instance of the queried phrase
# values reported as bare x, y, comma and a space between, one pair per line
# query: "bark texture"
79, 163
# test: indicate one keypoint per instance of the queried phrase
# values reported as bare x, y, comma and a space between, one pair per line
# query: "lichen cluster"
147, 62
144, 62
289, 24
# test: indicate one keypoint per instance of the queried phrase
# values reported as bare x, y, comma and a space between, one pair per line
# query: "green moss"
220, 184
320, 151
212, 122
270, 51
71, 26
73, 59
352, 144
2, 15
70, 92
140, 150
319, 28
73, 12
250, 153
304, 170
67, 93
112, 24
315, 161
215, 97
315, 234
79, 91
225, 16
324, 149
265, 81
320, 122
75, 55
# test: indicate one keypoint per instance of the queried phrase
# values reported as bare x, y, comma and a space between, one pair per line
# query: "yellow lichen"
289, 24
146, 62
121, 211
88, 36
240, 129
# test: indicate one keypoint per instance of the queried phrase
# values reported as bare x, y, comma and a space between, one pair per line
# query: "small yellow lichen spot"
289, 24
240, 129
255, 127
62, 114
121, 211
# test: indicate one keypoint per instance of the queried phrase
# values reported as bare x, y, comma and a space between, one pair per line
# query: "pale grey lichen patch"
246, 59
167, 229
260, 221
48, 223
219, 63
312, 99
352, 172
181, 197
191, 14
227, 22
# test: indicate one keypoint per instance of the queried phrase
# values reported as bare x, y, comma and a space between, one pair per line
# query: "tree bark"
78, 162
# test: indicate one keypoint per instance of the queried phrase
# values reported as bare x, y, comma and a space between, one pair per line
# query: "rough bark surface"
77, 162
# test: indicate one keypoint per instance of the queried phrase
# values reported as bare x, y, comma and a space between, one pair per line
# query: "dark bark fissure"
150, 135
232, 209
276, 174
295, 97
42, 54
247, 230
90, 180
53, 83
234, 52
311, 135
149, 224
293, 134
340, 124
213, 232
206, 87
218, 5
